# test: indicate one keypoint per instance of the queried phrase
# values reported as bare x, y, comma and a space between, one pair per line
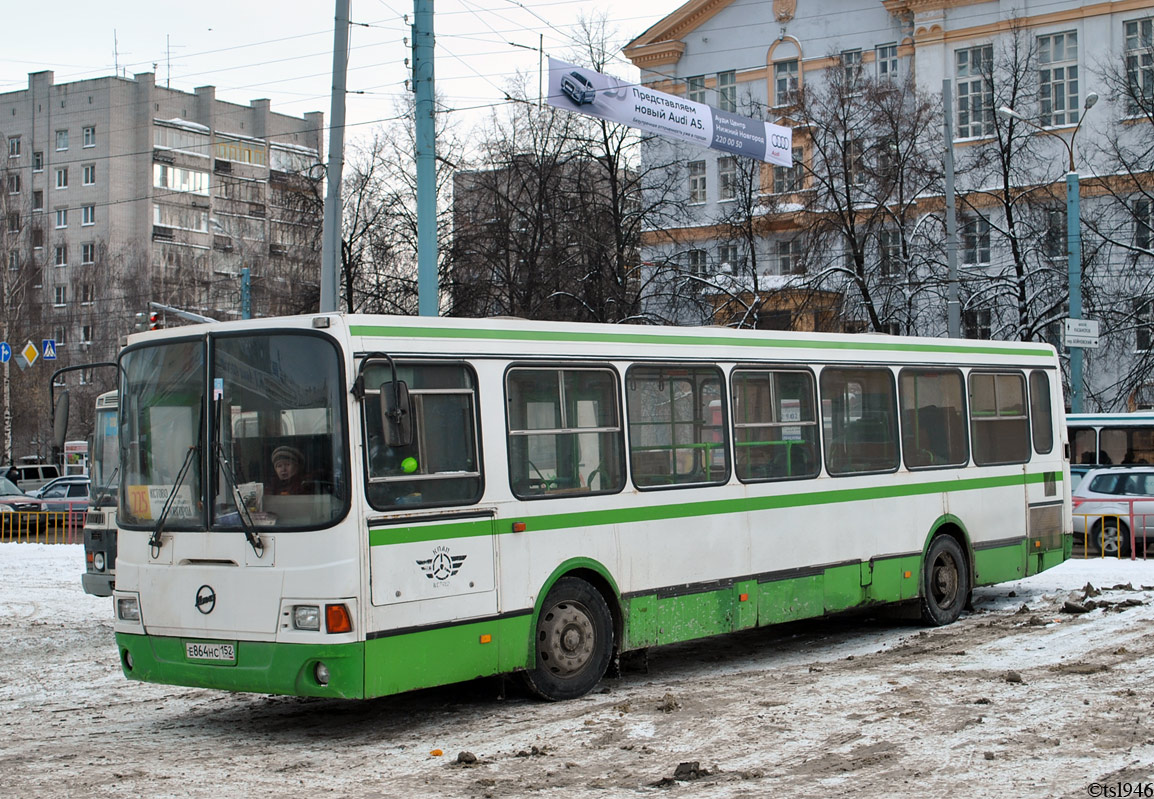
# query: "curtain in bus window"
565, 436
859, 414
774, 425
676, 433
998, 424
933, 418
161, 422
1041, 417
441, 466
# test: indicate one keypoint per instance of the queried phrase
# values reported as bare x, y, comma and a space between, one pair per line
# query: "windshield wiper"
105, 490
242, 513
155, 541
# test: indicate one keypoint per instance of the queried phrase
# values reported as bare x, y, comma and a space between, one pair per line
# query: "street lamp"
1073, 239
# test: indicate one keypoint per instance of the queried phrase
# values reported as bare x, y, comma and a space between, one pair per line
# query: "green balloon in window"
409, 465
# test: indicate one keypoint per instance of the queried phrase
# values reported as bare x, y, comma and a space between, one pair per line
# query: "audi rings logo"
777, 140
205, 599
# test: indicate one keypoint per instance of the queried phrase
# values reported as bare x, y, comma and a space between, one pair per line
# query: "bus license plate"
221, 653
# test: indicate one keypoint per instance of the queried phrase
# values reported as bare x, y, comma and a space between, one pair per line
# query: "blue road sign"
48, 348
5, 352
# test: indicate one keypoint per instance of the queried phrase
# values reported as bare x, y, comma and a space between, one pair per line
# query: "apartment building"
116, 192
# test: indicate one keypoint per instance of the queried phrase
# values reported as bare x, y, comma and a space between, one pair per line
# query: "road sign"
48, 347
5, 352
28, 355
1081, 333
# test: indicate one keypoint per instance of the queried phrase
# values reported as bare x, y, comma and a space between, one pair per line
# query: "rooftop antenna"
168, 60
115, 54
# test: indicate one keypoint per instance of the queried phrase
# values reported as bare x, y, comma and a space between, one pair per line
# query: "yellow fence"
1126, 542
44, 527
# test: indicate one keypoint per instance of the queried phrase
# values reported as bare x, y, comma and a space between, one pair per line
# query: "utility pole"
331, 234
953, 306
425, 134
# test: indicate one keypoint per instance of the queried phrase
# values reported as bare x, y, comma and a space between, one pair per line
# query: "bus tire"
945, 582
572, 641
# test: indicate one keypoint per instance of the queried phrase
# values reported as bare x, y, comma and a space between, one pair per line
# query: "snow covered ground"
1016, 699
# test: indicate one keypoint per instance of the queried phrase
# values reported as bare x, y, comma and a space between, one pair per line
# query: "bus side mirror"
396, 414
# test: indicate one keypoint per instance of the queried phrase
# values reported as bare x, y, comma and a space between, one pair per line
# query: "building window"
88, 253
89, 174
61, 336
789, 257
1143, 224
37, 162
1058, 78
697, 262
87, 296
1143, 325
695, 89
1139, 62
886, 58
727, 177
62, 178
61, 140
90, 137
13, 146
975, 91
61, 258
13, 184
38, 200
61, 218
696, 181
86, 337
88, 215
13, 260
785, 82
787, 179
890, 253
179, 179
13, 222
37, 238
851, 67
975, 240
729, 256
727, 91
976, 323
61, 298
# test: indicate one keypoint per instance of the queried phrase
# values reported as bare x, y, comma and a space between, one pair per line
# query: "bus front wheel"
573, 641
945, 582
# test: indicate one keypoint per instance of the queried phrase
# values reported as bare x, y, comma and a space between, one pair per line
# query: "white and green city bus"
477, 497
100, 522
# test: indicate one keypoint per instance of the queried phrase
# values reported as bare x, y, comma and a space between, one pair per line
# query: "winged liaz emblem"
442, 565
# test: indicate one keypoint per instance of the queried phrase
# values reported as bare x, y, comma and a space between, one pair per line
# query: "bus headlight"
307, 617
98, 561
128, 609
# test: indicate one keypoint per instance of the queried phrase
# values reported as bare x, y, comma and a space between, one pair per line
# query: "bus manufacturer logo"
205, 599
442, 565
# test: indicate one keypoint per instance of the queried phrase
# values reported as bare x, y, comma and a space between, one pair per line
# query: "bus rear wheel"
945, 582
573, 641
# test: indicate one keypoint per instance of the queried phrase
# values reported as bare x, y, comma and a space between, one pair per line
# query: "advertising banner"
575, 88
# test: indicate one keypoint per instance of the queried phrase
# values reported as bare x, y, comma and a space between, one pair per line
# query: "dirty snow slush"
1043, 689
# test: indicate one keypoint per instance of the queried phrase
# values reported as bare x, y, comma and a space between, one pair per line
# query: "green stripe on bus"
864, 345
402, 534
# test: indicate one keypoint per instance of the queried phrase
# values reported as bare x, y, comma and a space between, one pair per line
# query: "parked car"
13, 499
1106, 500
66, 499
30, 476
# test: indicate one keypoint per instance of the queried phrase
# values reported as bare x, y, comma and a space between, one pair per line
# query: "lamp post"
1073, 238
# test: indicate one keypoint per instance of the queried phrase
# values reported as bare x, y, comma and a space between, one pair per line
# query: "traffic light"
140, 326
154, 321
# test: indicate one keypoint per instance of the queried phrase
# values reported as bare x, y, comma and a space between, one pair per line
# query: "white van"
30, 476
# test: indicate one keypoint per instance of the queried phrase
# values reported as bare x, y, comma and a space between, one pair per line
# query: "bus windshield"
270, 431
102, 457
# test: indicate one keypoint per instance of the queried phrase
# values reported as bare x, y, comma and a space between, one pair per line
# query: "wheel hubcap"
566, 639
945, 581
